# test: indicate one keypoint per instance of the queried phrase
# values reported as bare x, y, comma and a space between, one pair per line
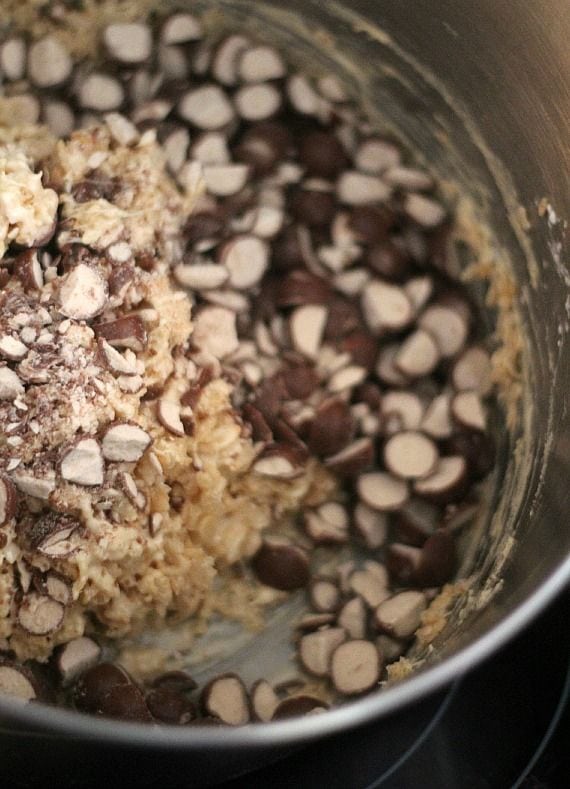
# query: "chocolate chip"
49, 63
389, 261
432, 565
322, 154
302, 287
297, 706
370, 225
40, 615
262, 146
477, 448
226, 698
300, 381
17, 681
332, 428
312, 208
258, 102
175, 680
168, 705
316, 649
75, 658
324, 595
400, 615
264, 700
281, 564
94, 685
355, 667
287, 252
343, 318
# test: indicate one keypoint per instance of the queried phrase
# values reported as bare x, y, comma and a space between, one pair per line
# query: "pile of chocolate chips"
327, 253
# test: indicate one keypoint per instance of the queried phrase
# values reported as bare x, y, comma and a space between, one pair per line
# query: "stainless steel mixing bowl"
483, 90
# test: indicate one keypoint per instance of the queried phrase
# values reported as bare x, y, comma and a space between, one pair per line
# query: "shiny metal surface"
484, 90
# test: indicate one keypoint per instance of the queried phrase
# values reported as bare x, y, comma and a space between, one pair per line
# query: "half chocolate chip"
324, 595
75, 657
446, 483
17, 681
264, 701
382, 491
226, 698
400, 616
316, 649
40, 615
352, 617
206, 107
410, 455
355, 667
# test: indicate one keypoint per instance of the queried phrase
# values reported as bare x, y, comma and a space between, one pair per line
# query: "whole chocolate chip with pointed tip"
437, 561
94, 684
371, 225
169, 705
313, 208
321, 153
477, 448
332, 428
416, 521
281, 564
286, 250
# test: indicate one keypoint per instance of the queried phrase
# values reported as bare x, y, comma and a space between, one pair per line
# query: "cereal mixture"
227, 332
